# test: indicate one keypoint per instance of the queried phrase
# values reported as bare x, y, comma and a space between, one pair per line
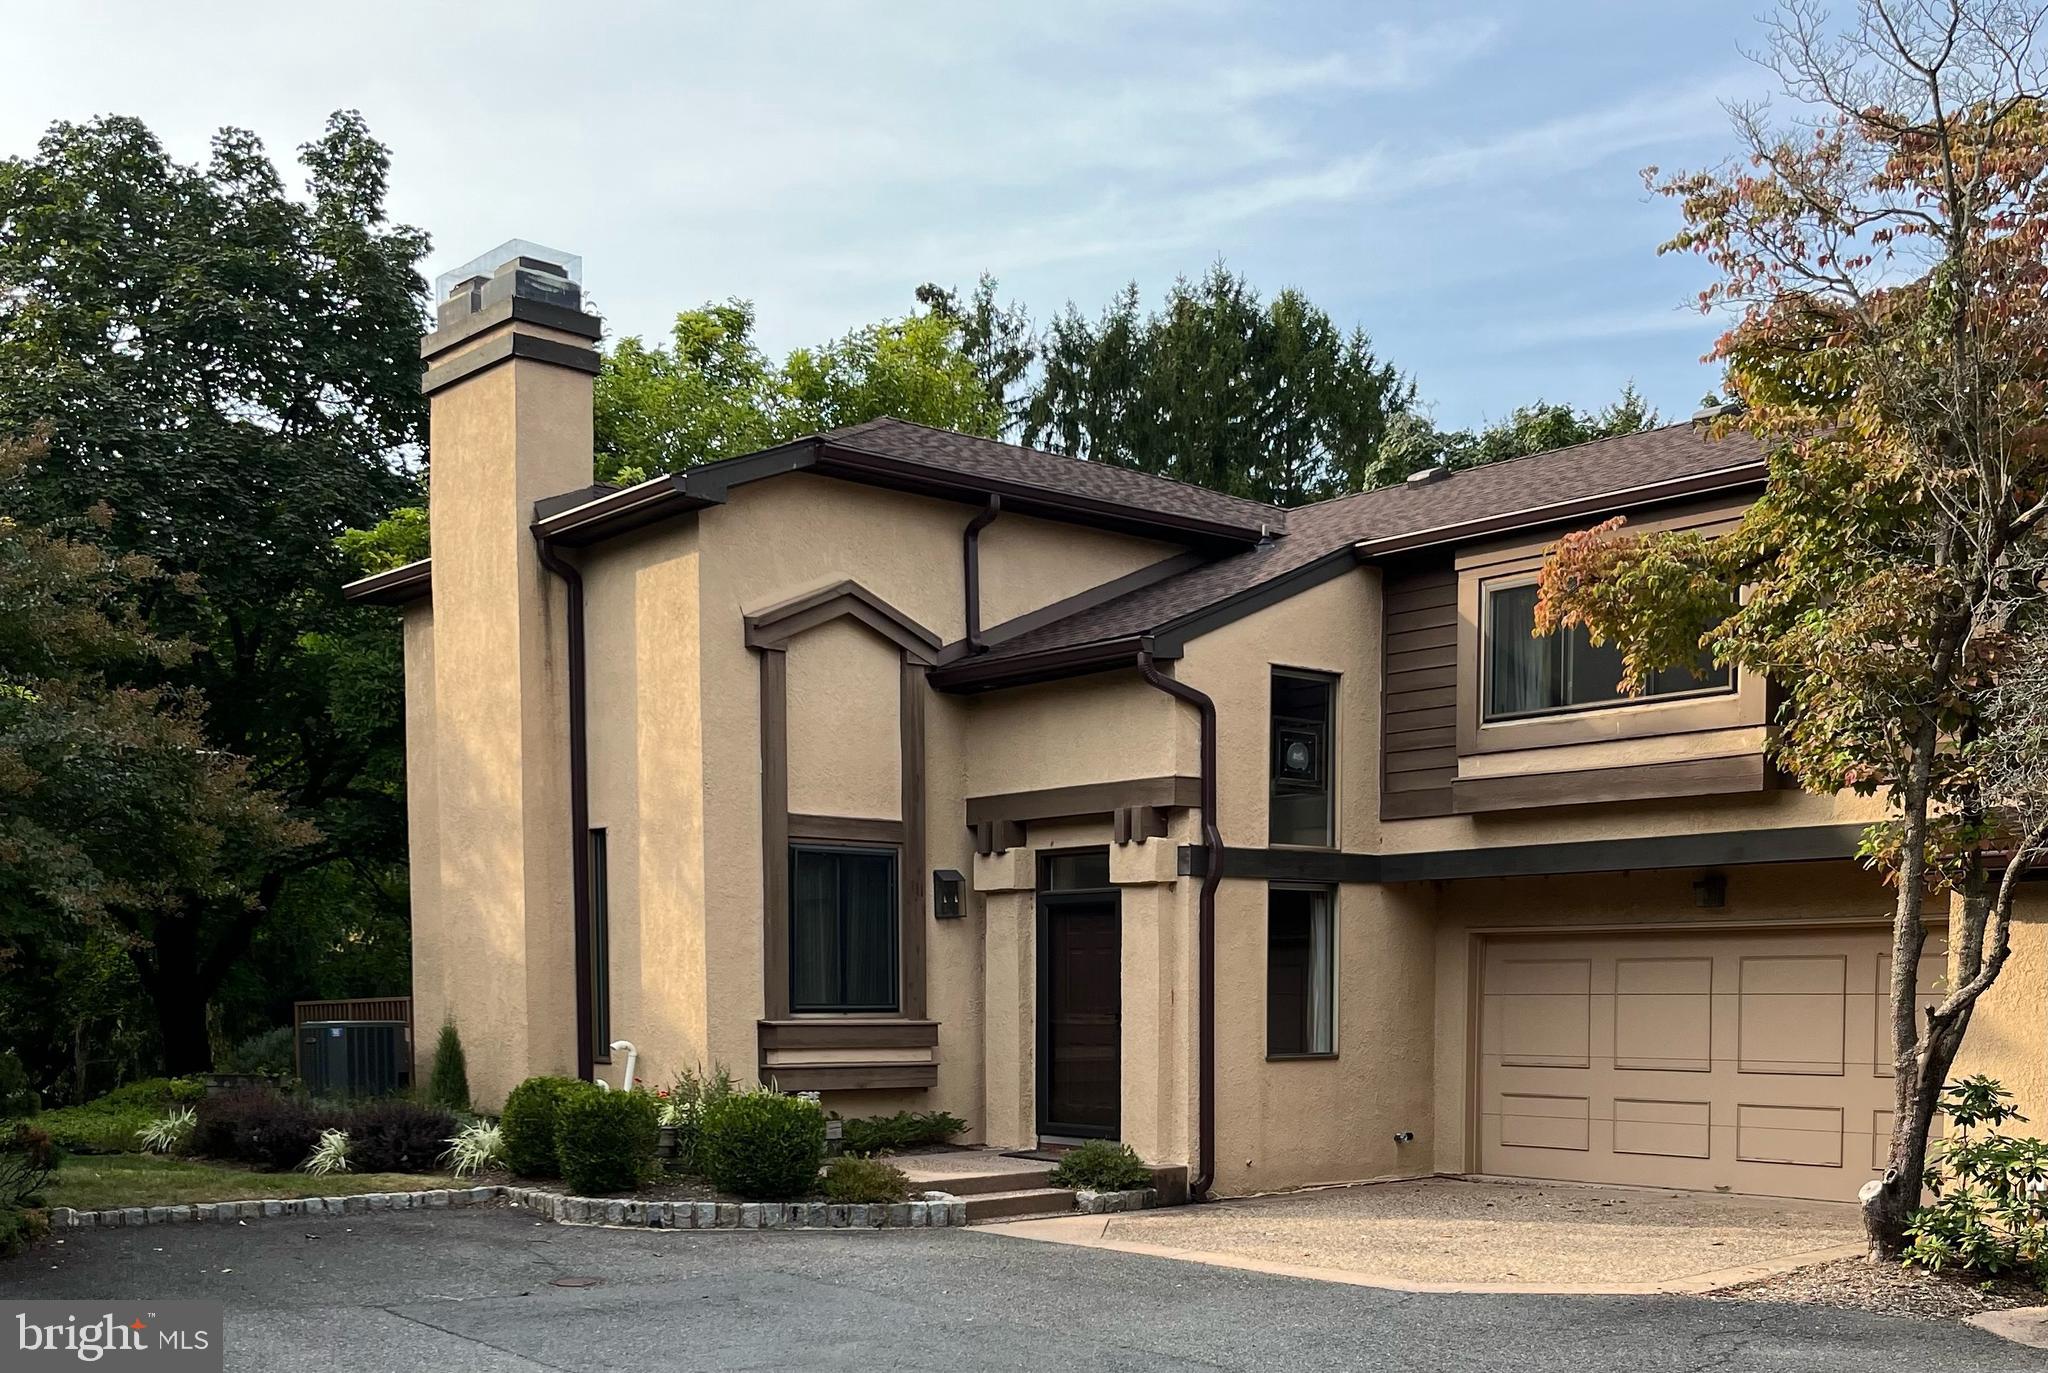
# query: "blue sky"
1459, 179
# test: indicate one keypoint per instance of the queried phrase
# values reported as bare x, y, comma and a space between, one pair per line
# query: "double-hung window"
843, 922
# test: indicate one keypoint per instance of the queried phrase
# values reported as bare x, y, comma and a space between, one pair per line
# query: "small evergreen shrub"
1989, 1217
267, 1051
852, 1179
397, 1136
448, 1084
763, 1145
1102, 1166
904, 1130
529, 1125
605, 1141
17, 1097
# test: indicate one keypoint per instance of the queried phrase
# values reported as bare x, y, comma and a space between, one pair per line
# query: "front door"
1080, 997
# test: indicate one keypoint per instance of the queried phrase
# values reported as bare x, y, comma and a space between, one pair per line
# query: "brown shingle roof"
1588, 478
989, 461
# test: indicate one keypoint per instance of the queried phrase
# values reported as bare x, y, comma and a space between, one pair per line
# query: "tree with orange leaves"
1885, 259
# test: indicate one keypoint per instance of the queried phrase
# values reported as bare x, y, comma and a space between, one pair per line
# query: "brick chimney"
509, 375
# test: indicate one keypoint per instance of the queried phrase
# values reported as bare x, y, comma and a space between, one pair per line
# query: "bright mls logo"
174, 1337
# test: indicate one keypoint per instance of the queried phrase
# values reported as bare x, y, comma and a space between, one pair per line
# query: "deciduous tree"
1885, 260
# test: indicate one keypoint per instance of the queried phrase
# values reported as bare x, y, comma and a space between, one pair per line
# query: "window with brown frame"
842, 928
1299, 807
1529, 674
1301, 972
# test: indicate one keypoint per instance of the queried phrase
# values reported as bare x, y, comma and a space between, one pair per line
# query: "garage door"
1748, 1062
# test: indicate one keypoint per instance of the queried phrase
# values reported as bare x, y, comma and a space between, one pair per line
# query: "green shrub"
19, 1228
763, 1145
1990, 1213
853, 1179
113, 1123
529, 1125
448, 1084
604, 1141
28, 1159
904, 1130
17, 1097
1102, 1166
262, 1127
475, 1147
267, 1051
397, 1136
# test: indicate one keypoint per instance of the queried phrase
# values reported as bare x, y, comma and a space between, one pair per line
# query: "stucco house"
931, 772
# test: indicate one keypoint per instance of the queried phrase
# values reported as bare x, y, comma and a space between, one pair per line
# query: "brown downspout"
579, 798
970, 555
1212, 875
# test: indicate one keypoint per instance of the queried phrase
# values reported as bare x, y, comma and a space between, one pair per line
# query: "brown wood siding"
1419, 720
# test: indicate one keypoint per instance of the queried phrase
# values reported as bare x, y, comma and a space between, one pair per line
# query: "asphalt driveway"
477, 1291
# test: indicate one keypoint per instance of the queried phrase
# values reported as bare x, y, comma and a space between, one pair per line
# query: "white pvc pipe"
632, 1061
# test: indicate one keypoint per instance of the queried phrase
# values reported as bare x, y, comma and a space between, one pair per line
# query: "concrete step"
1035, 1201
980, 1184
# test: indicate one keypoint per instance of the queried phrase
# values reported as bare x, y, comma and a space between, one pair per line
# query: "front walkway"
1450, 1235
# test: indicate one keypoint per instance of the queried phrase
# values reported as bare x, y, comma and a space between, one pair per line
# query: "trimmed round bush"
763, 1145
605, 1141
529, 1125
1101, 1166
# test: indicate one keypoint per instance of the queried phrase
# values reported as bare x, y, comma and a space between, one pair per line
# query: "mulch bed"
1887, 1289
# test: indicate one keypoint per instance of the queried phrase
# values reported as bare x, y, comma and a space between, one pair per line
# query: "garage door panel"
1717, 1059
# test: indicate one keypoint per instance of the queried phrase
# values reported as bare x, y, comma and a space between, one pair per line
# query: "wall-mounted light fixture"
949, 899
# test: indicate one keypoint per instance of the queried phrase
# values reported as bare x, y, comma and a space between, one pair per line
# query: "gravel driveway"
1490, 1235
477, 1293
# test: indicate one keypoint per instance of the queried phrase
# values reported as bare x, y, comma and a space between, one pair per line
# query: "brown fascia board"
397, 586
1075, 660
1611, 503
1082, 600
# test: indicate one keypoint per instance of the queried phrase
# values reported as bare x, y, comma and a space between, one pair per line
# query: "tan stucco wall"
2008, 1035
646, 789
1027, 563
845, 692
1090, 729
502, 439
1764, 895
430, 991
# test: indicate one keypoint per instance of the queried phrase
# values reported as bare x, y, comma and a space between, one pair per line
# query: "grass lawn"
94, 1182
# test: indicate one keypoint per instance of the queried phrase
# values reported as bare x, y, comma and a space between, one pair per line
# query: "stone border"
1106, 1203
934, 1210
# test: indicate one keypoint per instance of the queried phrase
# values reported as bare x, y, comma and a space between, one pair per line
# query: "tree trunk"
181, 1023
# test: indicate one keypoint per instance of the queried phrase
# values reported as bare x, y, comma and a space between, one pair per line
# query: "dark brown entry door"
1080, 1014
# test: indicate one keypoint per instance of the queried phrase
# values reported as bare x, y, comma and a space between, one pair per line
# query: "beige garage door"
1750, 1062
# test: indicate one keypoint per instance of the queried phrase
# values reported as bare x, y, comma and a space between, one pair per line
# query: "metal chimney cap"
1707, 414
513, 252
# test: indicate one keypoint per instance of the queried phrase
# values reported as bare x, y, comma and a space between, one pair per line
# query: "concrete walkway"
1445, 1235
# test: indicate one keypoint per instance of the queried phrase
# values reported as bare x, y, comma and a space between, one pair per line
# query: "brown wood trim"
778, 624
1083, 600
849, 1033
849, 1077
1742, 772
844, 829
1089, 798
997, 836
775, 833
1136, 824
911, 880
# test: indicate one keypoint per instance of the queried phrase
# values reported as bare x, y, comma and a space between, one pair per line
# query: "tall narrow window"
1301, 972
600, 949
842, 928
1299, 810
1527, 675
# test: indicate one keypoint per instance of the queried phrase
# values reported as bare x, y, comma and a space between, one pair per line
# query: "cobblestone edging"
936, 1210
1102, 1203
